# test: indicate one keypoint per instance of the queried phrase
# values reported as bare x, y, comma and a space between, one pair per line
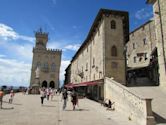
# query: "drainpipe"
162, 35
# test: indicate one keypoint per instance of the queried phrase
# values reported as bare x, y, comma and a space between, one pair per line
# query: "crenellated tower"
48, 62
41, 39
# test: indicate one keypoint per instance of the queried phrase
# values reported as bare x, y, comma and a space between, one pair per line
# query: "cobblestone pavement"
27, 110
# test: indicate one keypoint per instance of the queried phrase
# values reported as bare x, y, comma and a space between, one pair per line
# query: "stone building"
47, 61
102, 53
142, 52
159, 10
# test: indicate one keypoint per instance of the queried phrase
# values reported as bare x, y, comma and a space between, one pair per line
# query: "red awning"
70, 85
90, 83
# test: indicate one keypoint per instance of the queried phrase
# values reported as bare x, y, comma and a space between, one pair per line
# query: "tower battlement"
54, 50
40, 33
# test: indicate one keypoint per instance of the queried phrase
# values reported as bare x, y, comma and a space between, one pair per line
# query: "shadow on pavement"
77, 110
7, 108
48, 106
158, 118
12, 103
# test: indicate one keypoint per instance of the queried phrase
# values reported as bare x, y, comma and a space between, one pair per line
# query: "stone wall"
131, 105
89, 61
144, 39
160, 24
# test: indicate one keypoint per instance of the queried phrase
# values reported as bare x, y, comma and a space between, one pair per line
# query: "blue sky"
67, 21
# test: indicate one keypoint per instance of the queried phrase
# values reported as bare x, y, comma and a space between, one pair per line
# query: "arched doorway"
52, 84
44, 84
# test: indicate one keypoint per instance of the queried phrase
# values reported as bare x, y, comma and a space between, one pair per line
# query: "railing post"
150, 117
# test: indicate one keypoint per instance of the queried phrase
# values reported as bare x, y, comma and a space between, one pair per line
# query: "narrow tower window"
113, 24
114, 51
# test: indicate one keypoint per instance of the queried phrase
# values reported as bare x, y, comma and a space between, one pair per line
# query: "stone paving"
27, 110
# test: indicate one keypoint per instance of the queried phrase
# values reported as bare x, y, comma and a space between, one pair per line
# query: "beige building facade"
45, 64
141, 44
102, 53
142, 52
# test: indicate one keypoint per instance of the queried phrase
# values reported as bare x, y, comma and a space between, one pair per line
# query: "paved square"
27, 110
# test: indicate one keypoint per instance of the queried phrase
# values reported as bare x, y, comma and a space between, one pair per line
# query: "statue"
37, 71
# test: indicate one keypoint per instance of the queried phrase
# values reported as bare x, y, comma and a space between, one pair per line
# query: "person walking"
64, 97
1, 97
52, 93
11, 96
43, 95
48, 93
74, 99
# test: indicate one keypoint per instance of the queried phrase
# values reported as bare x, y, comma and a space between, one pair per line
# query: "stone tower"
46, 62
116, 35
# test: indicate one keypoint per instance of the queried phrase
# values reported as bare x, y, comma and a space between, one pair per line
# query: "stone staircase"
158, 103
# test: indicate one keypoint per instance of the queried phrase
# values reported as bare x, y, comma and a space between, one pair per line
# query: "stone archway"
52, 84
44, 84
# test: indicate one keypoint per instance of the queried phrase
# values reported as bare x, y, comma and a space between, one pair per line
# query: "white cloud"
62, 45
25, 51
55, 45
21, 51
14, 72
144, 13
64, 64
74, 47
2, 56
27, 38
8, 33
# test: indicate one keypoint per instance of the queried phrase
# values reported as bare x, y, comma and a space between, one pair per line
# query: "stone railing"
133, 107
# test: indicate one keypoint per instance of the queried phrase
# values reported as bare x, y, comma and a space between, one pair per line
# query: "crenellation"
40, 33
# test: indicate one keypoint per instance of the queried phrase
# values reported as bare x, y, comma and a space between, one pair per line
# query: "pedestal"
36, 87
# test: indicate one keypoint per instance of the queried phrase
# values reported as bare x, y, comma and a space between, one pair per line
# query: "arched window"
113, 24
53, 67
114, 51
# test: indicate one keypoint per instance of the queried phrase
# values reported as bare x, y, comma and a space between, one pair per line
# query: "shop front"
92, 89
